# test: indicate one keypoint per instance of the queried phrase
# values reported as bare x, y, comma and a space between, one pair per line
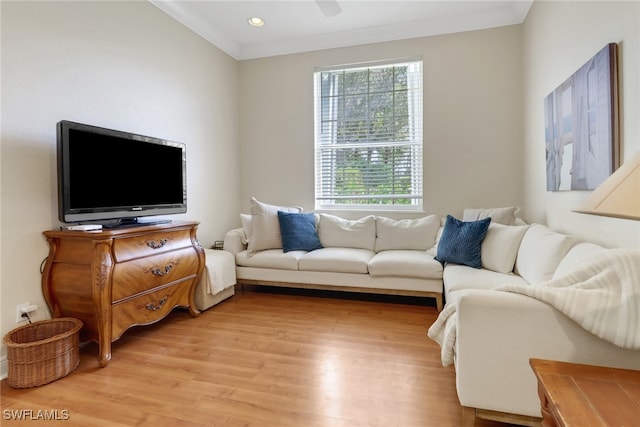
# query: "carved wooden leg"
468, 416
102, 269
201, 264
104, 355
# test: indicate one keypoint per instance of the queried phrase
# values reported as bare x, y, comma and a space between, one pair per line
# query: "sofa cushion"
416, 234
575, 256
540, 253
505, 216
245, 219
405, 263
458, 277
336, 232
461, 241
338, 260
265, 227
500, 246
270, 258
298, 231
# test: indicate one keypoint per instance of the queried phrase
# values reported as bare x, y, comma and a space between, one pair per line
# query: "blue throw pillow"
461, 241
298, 231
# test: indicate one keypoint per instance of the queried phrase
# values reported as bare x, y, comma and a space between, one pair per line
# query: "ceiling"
296, 26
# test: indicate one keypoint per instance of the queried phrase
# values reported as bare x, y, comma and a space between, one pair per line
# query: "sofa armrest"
497, 333
234, 241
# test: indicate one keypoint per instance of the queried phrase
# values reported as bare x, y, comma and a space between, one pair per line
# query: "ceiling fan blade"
329, 7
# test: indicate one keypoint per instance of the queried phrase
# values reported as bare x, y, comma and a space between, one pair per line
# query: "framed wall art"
581, 125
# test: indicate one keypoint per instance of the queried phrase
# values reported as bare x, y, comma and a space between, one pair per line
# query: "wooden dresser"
574, 395
118, 278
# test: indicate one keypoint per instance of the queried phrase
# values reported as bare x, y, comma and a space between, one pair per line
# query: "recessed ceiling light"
256, 22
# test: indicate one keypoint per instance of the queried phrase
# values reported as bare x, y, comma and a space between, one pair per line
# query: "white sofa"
497, 332
373, 254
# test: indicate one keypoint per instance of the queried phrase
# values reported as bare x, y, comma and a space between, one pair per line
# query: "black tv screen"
106, 174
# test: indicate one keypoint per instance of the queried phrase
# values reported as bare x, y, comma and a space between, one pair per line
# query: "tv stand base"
135, 222
115, 279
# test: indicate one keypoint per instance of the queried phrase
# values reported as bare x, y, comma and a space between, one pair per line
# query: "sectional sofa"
459, 262
493, 332
373, 254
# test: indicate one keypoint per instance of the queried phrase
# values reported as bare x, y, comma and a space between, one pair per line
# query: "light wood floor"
263, 358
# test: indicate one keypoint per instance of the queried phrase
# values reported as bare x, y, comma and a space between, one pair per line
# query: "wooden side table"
574, 395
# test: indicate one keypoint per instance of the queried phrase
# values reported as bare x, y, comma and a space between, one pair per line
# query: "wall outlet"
22, 308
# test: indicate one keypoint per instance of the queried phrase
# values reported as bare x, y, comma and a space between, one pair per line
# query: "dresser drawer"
150, 244
148, 308
142, 275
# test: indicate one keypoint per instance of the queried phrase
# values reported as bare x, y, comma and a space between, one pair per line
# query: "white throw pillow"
265, 226
433, 250
418, 234
500, 247
245, 219
540, 253
336, 232
506, 216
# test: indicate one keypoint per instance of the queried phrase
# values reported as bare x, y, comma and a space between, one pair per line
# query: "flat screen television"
116, 177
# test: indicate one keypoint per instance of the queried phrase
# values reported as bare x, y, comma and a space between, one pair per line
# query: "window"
368, 136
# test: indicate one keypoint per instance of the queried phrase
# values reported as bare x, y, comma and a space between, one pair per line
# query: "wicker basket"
42, 352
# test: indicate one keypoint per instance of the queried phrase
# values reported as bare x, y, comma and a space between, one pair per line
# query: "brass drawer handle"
157, 271
152, 307
157, 244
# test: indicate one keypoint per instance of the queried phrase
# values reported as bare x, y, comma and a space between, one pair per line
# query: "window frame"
414, 117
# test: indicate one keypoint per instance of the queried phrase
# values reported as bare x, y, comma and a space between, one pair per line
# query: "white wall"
472, 120
559, 37
122, 65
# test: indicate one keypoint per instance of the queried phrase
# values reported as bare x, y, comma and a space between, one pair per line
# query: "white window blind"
368, 136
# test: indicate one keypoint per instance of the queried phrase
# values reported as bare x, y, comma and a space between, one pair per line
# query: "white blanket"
443, 331
601, 294
220, 270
